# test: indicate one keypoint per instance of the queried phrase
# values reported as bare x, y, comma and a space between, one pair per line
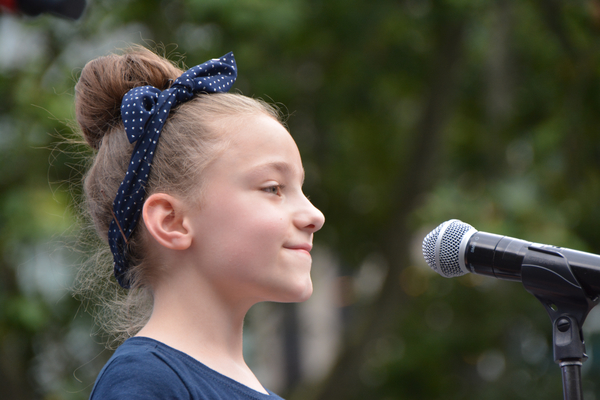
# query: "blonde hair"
192, 137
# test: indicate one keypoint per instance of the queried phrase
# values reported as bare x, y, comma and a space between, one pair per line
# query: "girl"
198, 193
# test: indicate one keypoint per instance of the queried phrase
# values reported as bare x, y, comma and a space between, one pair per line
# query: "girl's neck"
197, 322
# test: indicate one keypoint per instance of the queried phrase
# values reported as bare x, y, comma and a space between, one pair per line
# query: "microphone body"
455, 248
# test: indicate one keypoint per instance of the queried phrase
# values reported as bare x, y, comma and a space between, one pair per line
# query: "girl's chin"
303, 295
298, 294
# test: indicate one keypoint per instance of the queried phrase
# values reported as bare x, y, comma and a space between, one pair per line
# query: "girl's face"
253, 229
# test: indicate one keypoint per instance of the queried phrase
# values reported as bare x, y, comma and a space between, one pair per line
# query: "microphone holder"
546, 274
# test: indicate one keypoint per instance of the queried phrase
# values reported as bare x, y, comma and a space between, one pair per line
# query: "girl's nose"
310, 218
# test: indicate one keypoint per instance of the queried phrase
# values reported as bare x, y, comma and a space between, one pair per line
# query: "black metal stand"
571, 377
547, 275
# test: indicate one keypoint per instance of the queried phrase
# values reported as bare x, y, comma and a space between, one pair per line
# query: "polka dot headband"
144, 111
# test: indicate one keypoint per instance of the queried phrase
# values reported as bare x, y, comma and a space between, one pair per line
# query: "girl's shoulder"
143, 368
137, 371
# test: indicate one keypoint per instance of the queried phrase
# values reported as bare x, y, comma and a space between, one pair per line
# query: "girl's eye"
275, 189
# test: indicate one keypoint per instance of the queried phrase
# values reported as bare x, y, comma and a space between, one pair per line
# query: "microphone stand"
546, 274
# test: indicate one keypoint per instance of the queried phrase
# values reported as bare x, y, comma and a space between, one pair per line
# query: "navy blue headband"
144, 111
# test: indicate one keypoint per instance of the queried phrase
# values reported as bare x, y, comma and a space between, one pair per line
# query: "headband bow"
144, 111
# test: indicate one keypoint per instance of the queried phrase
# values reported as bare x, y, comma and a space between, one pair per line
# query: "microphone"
455, 248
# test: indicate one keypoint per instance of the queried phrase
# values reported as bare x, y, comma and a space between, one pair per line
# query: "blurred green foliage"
407, 113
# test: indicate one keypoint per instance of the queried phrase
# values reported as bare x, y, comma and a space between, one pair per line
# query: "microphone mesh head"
429, 247
441, 247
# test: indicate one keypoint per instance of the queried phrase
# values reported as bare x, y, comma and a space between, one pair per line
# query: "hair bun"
105, 80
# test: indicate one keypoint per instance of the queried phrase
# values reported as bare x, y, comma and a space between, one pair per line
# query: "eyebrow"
282, 167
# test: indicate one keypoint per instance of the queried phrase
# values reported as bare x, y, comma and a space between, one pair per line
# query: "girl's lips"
305, 248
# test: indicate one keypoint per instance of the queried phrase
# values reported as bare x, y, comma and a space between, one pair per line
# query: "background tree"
407, 113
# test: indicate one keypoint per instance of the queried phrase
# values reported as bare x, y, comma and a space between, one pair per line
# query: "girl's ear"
166, 221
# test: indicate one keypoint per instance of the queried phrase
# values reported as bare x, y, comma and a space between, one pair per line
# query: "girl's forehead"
277, 166
260, 144
261, 131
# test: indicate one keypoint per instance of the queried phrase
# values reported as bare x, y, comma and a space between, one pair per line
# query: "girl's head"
190, 139
195, 140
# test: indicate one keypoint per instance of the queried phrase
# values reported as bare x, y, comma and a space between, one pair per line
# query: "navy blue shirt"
143, 368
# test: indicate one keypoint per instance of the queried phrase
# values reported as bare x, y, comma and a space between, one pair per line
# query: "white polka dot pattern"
144, 111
